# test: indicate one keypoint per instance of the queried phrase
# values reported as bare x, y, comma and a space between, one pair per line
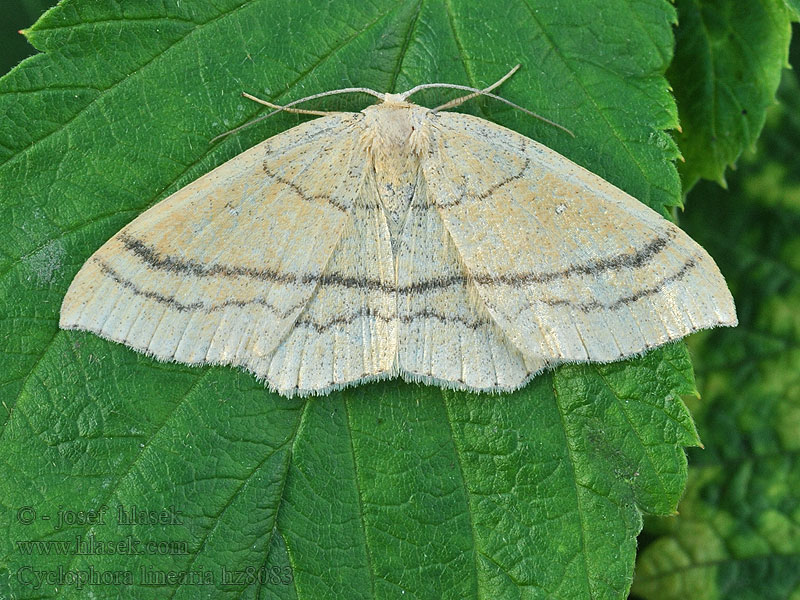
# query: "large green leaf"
738, 533
386, 490
729, 56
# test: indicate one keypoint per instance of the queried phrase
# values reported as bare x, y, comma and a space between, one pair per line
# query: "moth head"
396, 99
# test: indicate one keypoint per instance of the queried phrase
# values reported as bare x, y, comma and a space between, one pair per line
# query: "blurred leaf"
794, 5
386, 490
728, 60
18, 14
738, 533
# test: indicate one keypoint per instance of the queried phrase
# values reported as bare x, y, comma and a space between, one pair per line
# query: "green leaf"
728, 61
385, 490
794, 6
738, 534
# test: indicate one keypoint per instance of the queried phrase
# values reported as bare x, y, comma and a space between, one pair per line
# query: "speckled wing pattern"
569, 267
221, 271
397, 241
445, 332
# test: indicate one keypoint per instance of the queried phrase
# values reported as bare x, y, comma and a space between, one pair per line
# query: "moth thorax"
395, 129
392, 138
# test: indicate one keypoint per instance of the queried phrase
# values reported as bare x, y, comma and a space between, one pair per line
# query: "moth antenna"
504, 101
279, 107
462, 99
481, 92
288, 106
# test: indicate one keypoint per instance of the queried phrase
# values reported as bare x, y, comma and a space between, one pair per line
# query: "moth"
397, 241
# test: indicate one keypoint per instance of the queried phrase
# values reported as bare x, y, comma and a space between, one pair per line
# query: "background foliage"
394, 490
738, 533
